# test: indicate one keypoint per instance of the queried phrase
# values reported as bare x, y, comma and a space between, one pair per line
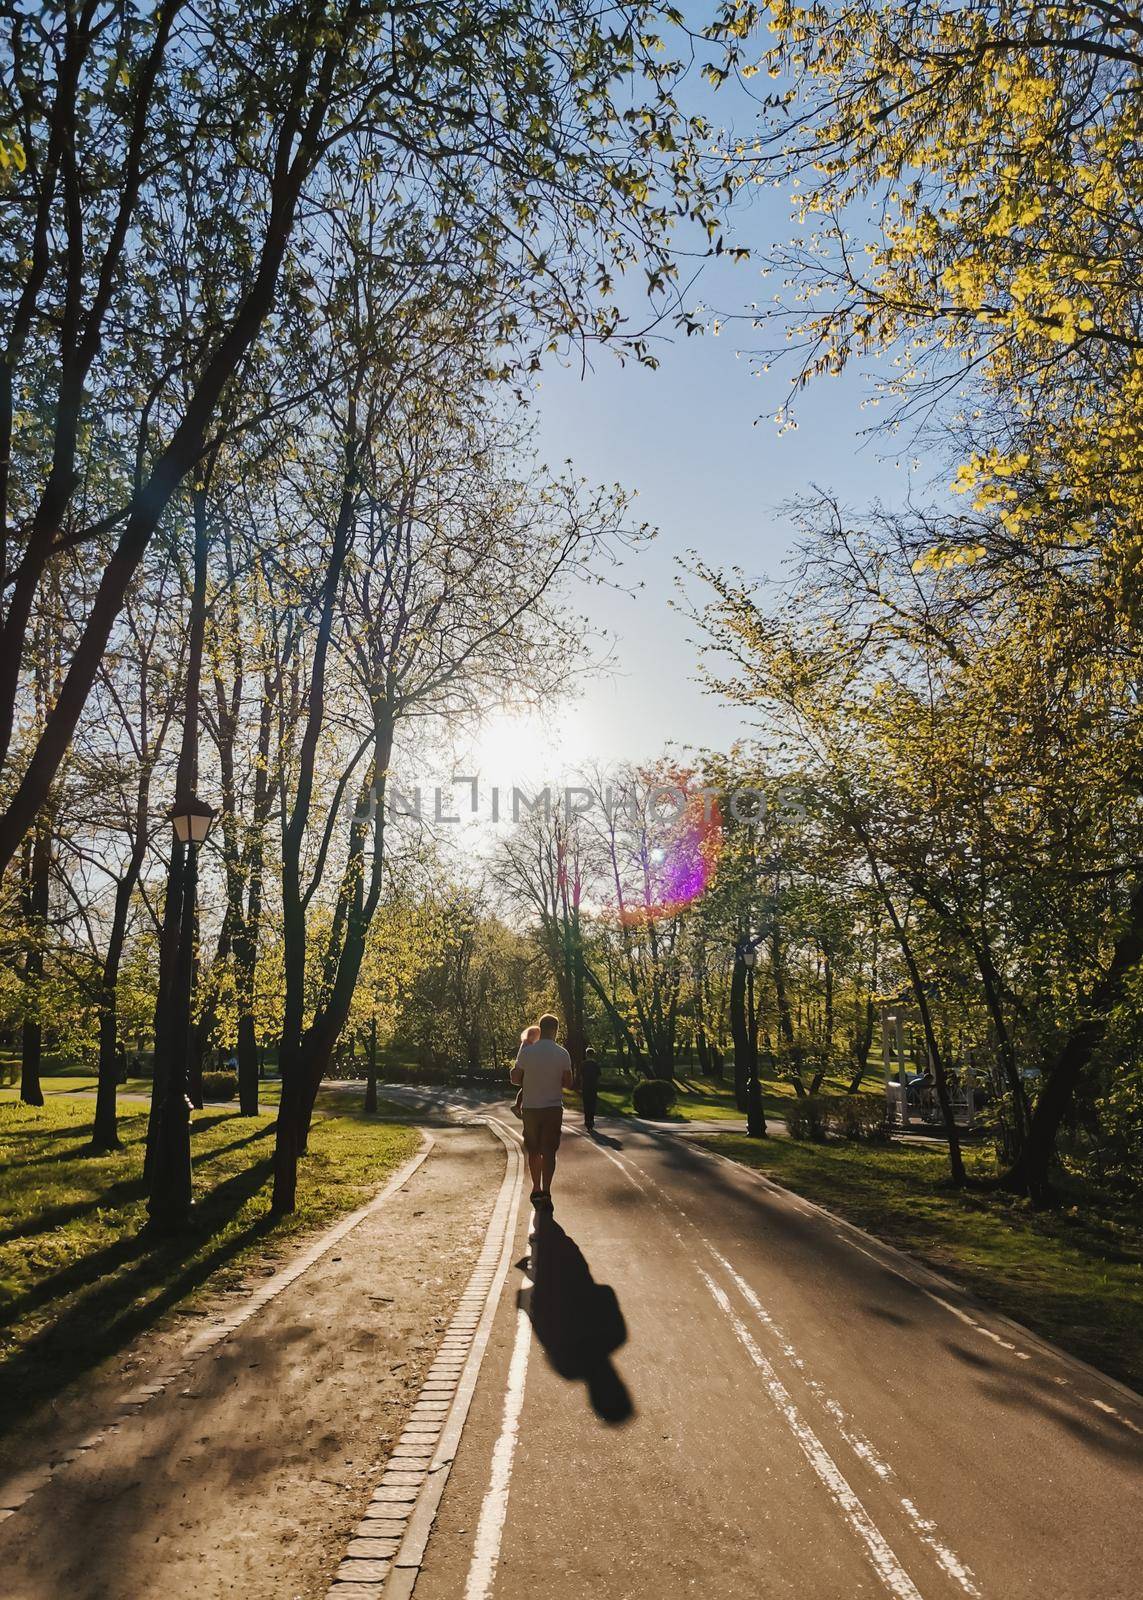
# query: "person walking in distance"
589, 1078
544, 1071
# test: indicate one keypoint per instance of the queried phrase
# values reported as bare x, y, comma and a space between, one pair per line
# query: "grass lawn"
1074, 1275
77, 1281
80, 1082
712, 1099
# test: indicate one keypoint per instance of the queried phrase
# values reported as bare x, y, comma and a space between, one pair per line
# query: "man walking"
544, 1071
590, 1085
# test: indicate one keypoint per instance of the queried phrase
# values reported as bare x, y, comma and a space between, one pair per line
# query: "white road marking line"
885, 1563
623, 1167
845, 1233
494, 1509
963, 1316
457, 1364
1118, 1415
925, 1529
947, 1558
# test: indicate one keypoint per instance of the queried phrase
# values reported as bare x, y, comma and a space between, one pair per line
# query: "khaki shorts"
542, 1126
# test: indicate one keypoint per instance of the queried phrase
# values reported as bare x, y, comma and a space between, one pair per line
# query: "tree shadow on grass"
201, 1157
34, 1131
116, 1194
130, 1285
122, 1193
578, 1321
136, 1136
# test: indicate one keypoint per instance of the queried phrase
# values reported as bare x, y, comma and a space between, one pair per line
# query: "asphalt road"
699, 1384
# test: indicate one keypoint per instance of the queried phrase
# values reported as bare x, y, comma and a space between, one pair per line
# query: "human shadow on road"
577, 1320
602, 1138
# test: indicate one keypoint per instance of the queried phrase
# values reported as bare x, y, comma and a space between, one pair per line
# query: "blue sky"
697, 442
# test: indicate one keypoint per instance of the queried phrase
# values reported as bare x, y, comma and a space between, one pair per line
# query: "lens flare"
682, 866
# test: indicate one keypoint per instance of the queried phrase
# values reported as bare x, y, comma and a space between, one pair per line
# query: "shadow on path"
577, 1320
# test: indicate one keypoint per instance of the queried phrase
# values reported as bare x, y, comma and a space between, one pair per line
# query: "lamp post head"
191, 819
749, 957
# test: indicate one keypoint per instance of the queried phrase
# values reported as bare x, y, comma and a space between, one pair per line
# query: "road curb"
384, 1558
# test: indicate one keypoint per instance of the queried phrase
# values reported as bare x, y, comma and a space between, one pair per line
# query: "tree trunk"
286, 1126
174, 963
371, 1070
956, 1160
861, 1048
248, 926
168, 955
292, 1113
35, 913
740, 1033
247, 1066
778, 972
105, 1127
105, 1131
619, 1023
295, 153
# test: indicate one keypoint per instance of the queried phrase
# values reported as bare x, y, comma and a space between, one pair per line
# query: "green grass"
80, 1083
712, 1099
1074, 1275
78, 1280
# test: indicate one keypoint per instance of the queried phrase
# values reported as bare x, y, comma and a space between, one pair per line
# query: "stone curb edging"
383, 1559
16, 1491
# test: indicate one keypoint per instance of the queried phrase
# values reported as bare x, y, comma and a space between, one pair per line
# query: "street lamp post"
170, 1199
755, 1110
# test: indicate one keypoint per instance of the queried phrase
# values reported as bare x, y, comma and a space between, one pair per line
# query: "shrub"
858, 1116
806, 1117
653, 1097
219, 1085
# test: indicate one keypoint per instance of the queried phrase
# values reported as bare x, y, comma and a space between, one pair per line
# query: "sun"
525, 747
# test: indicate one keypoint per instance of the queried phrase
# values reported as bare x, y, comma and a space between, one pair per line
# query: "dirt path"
249, 1477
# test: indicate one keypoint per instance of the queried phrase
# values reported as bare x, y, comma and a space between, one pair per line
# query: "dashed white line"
925, 1529
1005, 1344
885, 1563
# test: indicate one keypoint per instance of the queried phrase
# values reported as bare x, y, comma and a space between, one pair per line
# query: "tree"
970, 207
433, 569
135, 700
974, 746
185, 191
542, 865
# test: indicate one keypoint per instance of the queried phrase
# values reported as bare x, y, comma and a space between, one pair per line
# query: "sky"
696, 441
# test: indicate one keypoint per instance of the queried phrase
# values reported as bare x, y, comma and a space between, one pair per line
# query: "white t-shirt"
540, 1067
